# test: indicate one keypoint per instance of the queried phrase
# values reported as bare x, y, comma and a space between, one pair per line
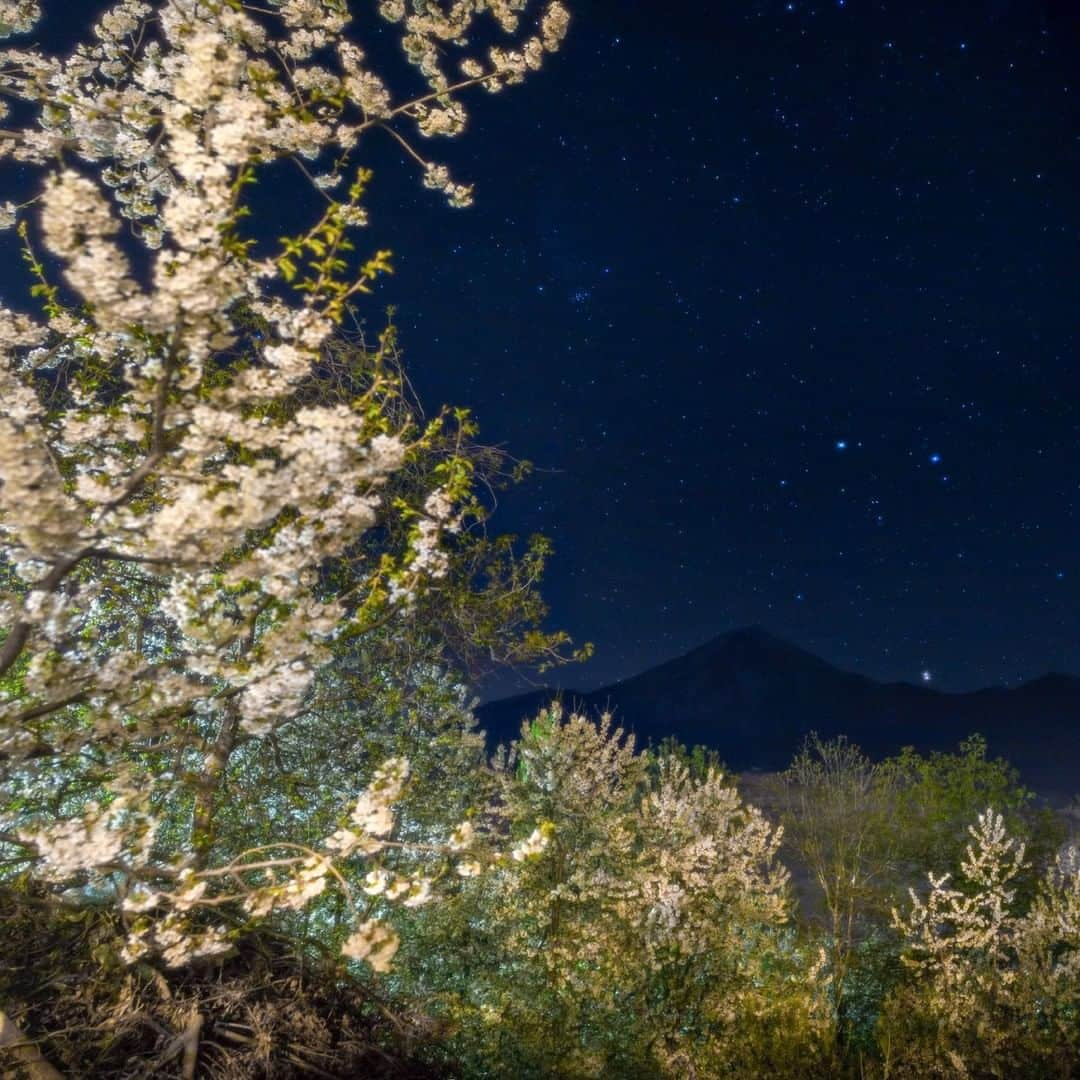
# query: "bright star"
927, 676
841, 444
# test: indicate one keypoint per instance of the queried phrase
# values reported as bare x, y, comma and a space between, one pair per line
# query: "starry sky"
780, 299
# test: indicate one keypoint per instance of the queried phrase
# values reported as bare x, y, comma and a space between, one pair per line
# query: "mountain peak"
753, 647
755, 633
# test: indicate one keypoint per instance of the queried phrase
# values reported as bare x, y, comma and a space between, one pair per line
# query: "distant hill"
754, 697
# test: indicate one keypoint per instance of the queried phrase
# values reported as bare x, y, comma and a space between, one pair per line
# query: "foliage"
938, 795
648, 936
865, 832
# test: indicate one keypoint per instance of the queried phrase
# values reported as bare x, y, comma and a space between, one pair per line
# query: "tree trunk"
202, 822
28, 1058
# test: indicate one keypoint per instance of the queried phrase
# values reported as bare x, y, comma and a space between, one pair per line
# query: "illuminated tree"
184, 512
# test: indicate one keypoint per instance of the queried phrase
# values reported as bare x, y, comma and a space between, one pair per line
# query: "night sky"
780, 299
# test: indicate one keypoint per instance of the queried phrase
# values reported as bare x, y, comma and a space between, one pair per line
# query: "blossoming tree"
174, 501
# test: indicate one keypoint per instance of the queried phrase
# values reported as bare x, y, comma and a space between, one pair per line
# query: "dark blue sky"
781, 299
784, 298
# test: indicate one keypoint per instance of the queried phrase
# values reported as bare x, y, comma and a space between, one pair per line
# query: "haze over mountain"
754, 698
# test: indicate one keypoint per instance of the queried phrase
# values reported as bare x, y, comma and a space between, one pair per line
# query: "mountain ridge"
754, 697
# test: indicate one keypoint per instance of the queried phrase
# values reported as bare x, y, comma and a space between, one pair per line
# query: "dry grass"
267, 1011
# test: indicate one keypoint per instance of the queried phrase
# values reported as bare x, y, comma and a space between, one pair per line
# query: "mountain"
754, 698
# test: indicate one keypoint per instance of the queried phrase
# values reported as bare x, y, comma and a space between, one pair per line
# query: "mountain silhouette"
754, 698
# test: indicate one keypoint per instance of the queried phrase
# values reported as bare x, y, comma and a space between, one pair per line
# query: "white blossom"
462, 837
374, 942
533, 844
18, 16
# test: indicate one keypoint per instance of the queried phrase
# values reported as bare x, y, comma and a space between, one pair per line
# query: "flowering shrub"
992, 992
173, 496
644, 932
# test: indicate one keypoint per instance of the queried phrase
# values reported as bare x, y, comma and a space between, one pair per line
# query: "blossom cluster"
290, 85
18, 16
173, 497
